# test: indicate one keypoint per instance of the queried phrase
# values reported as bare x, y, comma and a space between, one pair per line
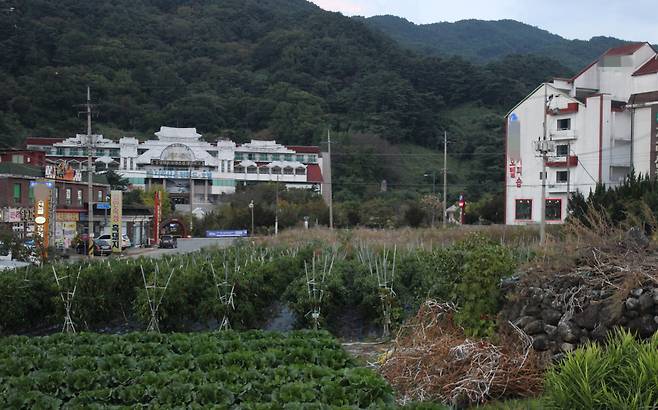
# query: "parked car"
125, 241
168, 241
102, 247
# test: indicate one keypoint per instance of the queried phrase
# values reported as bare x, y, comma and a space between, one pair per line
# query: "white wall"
642, 140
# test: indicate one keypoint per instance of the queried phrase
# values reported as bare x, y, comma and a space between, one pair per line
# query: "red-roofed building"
651, 67
600, 125
24, 156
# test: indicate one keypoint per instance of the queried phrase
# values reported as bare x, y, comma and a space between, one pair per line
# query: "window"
262, 157
60, 151
132, 165
287, 157
100, 196
276, 170
288, 171
74, 152
80, 197
57, 196
564, 124
561, 150
276, 157
523, 209
553, 209
312, 159
252, 170
114, 152
17, 193
222, 165
561, 177
68, 196
251, 157
239, 169
30, 194
299, 158
238, 156
17, 158
300, 171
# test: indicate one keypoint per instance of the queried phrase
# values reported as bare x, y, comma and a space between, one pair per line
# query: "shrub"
622, 375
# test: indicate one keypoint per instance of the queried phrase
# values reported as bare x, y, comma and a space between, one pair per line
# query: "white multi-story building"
194, 172
600, 124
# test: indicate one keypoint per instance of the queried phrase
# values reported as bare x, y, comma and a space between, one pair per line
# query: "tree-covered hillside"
483, 41
281, 69
284, 68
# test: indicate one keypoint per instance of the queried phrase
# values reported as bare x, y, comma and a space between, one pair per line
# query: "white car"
125, 241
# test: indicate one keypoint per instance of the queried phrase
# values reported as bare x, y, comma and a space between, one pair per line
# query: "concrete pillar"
191, 194
205, 191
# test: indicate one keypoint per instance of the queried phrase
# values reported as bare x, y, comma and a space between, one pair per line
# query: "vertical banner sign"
156, 217
42, 212
116, 203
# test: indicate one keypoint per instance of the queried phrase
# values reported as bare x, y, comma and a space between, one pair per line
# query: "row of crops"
250, 370
237, 287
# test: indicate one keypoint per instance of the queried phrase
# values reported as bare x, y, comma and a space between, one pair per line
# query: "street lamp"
251, 206
433, 175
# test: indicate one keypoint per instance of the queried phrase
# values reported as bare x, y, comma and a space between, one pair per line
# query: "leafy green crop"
229, 369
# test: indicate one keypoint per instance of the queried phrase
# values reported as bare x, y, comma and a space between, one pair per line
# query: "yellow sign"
41, 211
116, 203
68, 217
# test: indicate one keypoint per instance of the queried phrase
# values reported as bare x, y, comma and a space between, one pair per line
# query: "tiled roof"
624, 50
651, 67
20, 169
42, 140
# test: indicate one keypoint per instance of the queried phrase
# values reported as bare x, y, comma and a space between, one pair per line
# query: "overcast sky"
582, 19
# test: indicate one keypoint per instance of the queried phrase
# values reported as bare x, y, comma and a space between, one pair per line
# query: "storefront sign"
175, 174
42, 211
116, 202
68, 217
62, 170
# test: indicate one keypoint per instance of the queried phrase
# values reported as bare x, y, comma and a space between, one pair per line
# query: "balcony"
563, 162
561, 135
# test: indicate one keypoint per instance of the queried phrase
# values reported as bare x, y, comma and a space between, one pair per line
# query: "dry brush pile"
597, 278
433, 360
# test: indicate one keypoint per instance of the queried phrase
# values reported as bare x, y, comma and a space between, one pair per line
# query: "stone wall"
566, 312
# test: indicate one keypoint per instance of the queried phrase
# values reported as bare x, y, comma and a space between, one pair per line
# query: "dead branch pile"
433, 360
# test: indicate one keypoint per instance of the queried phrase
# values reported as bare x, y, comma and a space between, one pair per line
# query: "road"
186, 245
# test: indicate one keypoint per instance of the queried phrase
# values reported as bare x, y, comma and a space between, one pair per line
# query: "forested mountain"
281, 69
483, 41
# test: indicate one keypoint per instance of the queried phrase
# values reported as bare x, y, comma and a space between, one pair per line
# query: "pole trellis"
67, 294
383, 269
226, 290
315, 283
154, 294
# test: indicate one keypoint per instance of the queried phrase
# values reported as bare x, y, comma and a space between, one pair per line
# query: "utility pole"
542, 149
433, 194
331, 188
568, 173
276, 209
90, 195
445, 177
251, 207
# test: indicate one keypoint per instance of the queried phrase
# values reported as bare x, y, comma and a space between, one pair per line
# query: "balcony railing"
559, 135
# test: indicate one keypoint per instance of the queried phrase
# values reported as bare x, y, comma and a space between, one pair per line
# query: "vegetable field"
235, 288
249, 370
